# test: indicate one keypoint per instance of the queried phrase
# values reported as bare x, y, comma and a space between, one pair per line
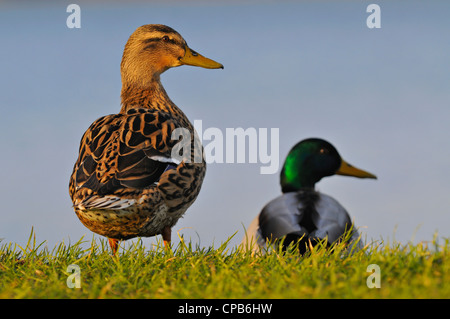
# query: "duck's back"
126, 182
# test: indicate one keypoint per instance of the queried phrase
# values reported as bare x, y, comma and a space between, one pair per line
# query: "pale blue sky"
309, 68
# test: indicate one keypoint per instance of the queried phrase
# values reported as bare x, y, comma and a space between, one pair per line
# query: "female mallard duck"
126, 181
301, 213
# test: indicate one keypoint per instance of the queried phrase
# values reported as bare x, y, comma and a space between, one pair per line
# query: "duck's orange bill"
350, 170
196, 59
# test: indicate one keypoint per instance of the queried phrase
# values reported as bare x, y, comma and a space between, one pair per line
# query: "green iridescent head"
312, 159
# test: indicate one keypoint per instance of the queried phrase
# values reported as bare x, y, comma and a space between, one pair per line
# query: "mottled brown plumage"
126, 181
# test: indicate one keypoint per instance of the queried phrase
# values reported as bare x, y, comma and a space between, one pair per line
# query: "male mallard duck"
301, 213
126, 182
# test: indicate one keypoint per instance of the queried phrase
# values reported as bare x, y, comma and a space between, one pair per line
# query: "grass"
407, 271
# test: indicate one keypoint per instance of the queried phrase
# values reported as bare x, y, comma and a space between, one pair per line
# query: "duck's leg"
167, 236
114, 244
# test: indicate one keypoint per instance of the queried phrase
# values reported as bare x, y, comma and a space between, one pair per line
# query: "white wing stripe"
109, 202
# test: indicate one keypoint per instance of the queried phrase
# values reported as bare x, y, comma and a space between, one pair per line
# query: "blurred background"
309, 68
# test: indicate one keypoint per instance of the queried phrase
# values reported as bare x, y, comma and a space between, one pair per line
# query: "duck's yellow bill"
350, 170
193, 58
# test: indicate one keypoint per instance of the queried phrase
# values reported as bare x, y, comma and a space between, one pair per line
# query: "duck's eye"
323, 151
165, 38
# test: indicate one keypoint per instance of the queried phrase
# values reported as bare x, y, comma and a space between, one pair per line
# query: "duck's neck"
293, 180
152, 96
294, 185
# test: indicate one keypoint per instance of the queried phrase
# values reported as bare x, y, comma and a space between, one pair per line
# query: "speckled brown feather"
114, 161
118, 187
